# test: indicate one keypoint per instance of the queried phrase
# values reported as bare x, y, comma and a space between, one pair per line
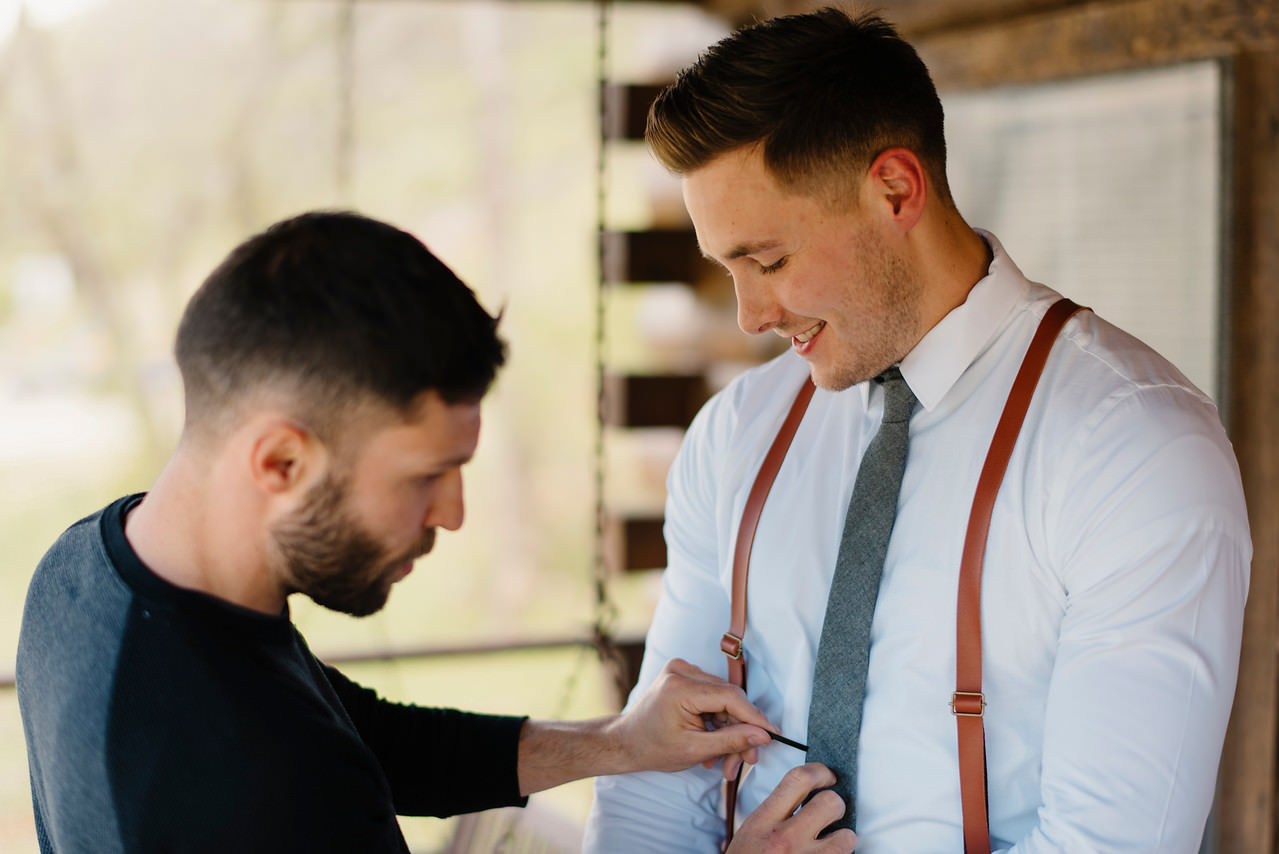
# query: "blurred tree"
46, 169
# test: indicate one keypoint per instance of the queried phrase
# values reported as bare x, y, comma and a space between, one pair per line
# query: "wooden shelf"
626, 109
653, 400
656, 255
634, 543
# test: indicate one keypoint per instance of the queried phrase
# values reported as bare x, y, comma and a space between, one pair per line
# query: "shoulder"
76, 577
1103, 374
79, 551
75, 615
1124, 428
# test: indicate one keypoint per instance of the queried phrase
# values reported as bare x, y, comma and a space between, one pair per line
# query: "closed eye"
425, 481
773, 267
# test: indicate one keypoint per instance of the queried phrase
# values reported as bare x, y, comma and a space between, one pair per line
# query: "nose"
757, 310
447, 510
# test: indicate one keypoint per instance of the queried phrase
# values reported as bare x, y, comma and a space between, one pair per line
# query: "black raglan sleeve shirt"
160, 719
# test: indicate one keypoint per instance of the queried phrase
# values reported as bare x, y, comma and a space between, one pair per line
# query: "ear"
899, 186
284, 456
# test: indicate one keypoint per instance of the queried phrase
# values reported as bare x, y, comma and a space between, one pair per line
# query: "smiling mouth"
808, 334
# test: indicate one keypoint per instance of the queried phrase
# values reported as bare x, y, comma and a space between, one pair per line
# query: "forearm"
556, 752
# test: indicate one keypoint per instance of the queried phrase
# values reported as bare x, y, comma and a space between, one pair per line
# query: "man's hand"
667, 728
776, 828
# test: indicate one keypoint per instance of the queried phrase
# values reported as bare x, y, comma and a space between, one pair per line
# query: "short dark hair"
336, 310
822, 93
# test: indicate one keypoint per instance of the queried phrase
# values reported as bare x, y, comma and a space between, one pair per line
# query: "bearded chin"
340, 593
325, 555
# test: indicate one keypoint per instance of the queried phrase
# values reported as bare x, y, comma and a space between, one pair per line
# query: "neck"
954, 259
194, 530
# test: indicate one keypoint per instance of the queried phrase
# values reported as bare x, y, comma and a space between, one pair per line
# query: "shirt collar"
946, 350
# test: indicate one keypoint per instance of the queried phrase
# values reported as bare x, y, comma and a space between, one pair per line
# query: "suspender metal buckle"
967, 704
731, 645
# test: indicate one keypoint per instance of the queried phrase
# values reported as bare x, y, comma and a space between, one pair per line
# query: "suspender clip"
731, 645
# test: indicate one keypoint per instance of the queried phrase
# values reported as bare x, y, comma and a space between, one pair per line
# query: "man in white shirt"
1116, 568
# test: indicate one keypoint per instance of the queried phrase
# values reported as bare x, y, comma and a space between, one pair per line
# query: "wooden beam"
1099, 38
1247, 800
914, 18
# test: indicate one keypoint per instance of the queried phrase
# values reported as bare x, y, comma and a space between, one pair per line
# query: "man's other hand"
777, 828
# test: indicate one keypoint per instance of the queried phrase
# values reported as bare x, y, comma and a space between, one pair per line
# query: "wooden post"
1246, 805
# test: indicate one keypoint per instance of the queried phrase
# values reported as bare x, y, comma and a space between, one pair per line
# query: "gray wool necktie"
839, 679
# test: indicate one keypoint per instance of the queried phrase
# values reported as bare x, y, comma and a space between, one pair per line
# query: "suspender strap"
968, 703
731, 643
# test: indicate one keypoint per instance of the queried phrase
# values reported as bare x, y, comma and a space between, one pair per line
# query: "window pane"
1107, 189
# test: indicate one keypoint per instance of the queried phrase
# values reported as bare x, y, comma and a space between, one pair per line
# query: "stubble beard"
891, 329
328, 556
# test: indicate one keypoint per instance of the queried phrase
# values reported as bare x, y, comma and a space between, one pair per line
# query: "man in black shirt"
333, 372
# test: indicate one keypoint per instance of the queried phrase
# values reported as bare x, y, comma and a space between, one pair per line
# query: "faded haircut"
822, 94
334, 311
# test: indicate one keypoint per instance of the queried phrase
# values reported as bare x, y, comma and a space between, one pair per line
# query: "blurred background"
140, 140
1124, 151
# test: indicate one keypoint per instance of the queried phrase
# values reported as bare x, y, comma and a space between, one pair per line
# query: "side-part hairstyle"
823, 94
334, 311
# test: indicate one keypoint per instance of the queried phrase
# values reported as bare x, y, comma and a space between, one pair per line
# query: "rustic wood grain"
1246, 807
1099, 38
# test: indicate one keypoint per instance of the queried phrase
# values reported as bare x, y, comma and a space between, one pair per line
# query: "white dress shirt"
1112, 598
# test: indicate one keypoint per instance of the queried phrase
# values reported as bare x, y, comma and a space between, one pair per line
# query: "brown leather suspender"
731, 642
967, 701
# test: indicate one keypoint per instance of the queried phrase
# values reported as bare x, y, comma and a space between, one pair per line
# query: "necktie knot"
899, 400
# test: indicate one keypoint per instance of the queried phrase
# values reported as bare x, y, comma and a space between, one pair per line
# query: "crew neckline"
158, 592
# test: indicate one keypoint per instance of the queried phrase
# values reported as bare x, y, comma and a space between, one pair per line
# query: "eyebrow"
744, 249
442, 466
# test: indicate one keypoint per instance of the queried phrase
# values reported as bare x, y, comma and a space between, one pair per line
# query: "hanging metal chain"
605, 609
